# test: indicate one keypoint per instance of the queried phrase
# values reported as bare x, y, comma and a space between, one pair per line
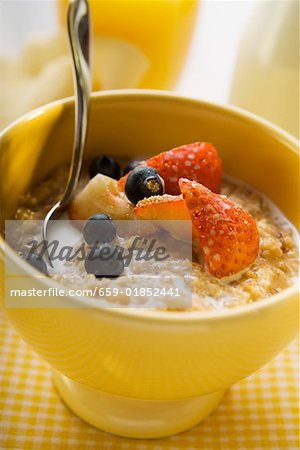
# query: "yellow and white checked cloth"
260, 412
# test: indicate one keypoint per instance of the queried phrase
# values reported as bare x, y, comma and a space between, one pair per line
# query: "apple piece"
101, 195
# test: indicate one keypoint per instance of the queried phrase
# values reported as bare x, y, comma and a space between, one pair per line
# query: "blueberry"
143, 182
132, 165
107, 166
105, 262
36, 261
99, 228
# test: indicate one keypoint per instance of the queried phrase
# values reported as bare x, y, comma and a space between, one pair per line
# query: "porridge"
244, 249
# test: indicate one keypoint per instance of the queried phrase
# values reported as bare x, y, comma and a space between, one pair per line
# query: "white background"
212, 56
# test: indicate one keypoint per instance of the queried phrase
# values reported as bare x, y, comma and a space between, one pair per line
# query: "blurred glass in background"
266, 79
137, 44
144, 43
244, 52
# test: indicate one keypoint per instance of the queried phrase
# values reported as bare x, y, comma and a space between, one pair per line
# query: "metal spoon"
79, 31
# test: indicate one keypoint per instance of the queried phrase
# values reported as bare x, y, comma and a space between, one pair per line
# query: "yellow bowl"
154, 374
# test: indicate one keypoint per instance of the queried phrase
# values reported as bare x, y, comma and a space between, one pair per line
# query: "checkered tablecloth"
260, 412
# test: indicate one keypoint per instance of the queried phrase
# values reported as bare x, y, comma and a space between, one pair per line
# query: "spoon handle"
79, 29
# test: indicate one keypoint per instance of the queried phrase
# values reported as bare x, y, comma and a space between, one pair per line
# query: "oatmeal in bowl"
228, 245
108, 363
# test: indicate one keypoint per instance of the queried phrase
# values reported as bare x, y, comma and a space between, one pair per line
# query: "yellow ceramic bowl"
158, 373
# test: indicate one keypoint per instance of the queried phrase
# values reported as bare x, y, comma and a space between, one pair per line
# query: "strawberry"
199, 162
162, 207
228, 234
165, 209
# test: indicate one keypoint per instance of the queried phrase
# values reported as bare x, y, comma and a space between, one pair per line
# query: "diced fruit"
198, 161
227, 233
105, 262
143, 182
132, 165
162, 207
165, 210
36, 261
101, 196
105, 165
99, 228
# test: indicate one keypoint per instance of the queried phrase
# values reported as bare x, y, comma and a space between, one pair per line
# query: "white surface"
211, 61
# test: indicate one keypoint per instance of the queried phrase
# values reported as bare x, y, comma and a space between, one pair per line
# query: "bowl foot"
134, 418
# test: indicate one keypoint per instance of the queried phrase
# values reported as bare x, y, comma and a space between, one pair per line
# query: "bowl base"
131, 417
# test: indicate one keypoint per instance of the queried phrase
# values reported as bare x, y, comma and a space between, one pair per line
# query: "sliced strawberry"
228, 234
162, 207
165, 210
199, 162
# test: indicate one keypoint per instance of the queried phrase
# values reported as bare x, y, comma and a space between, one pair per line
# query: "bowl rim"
157, 315
170, 95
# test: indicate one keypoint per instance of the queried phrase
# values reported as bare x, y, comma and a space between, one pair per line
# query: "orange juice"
158, 31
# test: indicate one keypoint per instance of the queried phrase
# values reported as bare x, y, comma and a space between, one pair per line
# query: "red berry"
198, 161
227, 233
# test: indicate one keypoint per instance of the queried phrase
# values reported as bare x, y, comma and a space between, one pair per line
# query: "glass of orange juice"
139, 43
